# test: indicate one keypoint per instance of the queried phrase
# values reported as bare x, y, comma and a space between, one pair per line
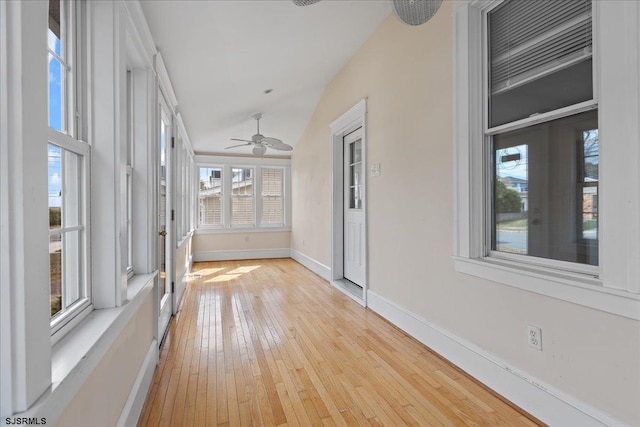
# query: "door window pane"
355, 175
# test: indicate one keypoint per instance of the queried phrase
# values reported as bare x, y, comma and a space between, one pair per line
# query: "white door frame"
353, 119
166, 302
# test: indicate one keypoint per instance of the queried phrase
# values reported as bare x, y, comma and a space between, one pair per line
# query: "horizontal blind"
529, 39
211, 210
210, 195
272, 197
242, 210
242, 206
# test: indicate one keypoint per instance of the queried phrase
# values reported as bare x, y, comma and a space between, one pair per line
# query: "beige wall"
241, 241
102, 397
406, 74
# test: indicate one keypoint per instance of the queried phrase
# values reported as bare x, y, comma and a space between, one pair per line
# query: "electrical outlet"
375, 169
534, 337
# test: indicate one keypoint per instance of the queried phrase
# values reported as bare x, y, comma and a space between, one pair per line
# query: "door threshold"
350, 289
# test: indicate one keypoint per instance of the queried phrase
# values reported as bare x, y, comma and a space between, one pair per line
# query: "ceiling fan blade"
239, 145
244, 140
270, 141
282, 147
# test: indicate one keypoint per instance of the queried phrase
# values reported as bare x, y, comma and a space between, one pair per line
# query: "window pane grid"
66, 229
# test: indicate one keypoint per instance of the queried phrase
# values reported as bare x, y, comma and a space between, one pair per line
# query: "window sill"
184, 239
242, 230
75, 356
575, 288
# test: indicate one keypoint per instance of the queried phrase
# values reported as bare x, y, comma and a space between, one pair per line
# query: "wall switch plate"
534, 337
375, 169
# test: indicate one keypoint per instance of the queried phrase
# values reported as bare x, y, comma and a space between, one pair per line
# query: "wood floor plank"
268, 343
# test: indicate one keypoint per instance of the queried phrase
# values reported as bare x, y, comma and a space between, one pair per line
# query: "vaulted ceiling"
223, 55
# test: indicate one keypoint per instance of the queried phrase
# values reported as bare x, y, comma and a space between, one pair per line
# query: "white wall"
406, 73
102, 397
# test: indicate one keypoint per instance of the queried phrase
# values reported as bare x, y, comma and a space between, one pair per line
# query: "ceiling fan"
260, 142
412, 12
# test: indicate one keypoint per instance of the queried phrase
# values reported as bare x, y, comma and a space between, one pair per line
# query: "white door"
354, 232
164, 224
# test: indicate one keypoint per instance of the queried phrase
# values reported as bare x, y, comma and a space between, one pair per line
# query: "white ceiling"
222, 55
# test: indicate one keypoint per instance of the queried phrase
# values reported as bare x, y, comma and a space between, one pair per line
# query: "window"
535, 90
59, 56
272, 197
540, 63
129, 173
210, 197
67, 173
253, 195
242, 190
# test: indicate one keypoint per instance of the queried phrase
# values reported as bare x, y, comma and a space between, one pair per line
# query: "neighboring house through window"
251, 196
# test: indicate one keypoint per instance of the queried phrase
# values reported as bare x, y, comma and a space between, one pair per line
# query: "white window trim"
226, 163
71, 139
227, 194
259, 218
617, 287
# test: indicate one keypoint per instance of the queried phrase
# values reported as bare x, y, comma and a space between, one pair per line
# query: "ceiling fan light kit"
261, 142
259, 150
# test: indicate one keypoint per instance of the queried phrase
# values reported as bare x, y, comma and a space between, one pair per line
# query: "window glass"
210, 197
540, 57
242, 208
66, 229
272, 197
545, 190
57, 65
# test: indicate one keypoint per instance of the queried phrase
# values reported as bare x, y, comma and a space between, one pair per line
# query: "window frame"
616, 289
222, 198
256, 164
252, 196
261, 196
70, 138
528, 122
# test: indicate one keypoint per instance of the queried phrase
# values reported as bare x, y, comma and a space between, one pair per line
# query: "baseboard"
240, 254
133, 407
313, 265
541, 400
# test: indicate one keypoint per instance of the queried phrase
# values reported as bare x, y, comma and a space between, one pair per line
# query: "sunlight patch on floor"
223, 278
245, 269
208, 271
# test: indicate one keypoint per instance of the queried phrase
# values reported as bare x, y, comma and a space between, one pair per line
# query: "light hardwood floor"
267, 342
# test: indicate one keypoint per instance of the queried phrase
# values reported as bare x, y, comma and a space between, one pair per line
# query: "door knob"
163, 233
